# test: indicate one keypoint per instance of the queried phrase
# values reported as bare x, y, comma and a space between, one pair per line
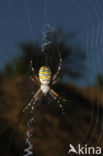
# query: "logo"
85, 150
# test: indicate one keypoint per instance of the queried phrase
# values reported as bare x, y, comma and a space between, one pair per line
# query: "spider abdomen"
45, 75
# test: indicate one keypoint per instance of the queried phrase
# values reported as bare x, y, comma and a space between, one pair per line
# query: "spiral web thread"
28, 149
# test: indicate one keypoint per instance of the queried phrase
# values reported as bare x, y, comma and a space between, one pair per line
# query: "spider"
44, 80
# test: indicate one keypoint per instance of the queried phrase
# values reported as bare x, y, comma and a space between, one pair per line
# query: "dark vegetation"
73, 56
53, 132
100, 81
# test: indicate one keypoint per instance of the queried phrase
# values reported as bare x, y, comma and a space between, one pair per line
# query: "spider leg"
55, 81
33, 104
57, 95
32, 100
54, 97
35, 78
57, 98
59, 68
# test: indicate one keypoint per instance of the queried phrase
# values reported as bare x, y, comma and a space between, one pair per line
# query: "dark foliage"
72, 54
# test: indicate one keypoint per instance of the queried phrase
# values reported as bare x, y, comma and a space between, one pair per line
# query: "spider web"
93, 42
91, 12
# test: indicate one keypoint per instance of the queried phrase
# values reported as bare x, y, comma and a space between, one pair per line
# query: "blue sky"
23, 20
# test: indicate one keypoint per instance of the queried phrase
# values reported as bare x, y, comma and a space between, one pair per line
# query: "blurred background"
78, 34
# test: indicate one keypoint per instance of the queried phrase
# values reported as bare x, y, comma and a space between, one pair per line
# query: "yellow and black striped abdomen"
45, 75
